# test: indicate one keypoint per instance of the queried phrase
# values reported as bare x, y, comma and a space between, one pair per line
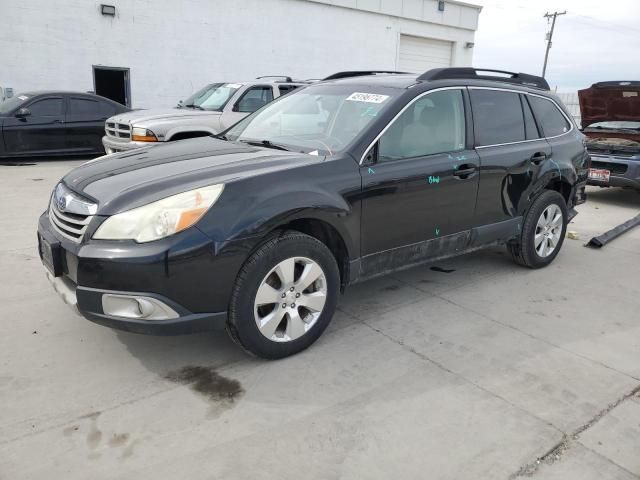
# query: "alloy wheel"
548, 230
290, 299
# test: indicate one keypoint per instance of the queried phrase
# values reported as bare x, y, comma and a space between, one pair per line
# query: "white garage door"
418, 54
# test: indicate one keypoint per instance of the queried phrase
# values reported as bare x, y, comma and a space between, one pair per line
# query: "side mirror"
23, 112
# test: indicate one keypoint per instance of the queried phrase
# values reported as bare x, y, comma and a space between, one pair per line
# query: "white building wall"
174, 47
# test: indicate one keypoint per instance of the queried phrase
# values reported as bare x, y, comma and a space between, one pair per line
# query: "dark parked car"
54, 123
345, 180
611, 122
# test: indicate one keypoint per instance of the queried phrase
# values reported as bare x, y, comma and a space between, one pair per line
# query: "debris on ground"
573, 235
602, 240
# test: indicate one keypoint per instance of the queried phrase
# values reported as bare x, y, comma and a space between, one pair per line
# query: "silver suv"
208, 111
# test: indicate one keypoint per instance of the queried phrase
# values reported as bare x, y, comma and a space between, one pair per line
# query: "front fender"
324, 191
191, 128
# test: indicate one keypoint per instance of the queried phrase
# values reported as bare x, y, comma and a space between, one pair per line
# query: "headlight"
139, 134
160, 219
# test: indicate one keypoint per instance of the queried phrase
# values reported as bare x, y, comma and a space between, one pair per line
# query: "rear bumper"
625, 172
114, 146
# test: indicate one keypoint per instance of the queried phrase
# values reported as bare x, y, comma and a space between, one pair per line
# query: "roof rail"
286, 78
468, 72
617, 83
359, 73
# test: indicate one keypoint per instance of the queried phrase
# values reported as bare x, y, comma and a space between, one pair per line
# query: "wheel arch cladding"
327, 234
185, 134
562, 186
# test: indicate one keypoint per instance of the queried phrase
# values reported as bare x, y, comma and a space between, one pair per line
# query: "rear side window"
49, 107
531, 130
497, 117
284, 89
433, 124
107, 109
83, 106
550, 119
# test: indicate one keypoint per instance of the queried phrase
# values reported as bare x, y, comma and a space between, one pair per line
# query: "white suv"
208, 111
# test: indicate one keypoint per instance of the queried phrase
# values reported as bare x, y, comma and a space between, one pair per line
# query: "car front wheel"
284, 297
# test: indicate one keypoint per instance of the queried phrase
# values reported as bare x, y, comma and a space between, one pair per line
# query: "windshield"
623, 125
320, 119
13, 103
212, 97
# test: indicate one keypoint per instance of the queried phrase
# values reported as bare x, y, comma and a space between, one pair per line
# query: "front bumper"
625, 171
114, 146
188, 272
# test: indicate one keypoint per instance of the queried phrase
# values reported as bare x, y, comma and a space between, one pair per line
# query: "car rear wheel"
284, 297
543, 231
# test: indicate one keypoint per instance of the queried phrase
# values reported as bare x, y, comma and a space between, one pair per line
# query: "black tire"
523, 248
241, 323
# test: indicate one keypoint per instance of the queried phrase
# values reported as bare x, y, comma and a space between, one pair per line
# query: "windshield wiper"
191, 105
265, 143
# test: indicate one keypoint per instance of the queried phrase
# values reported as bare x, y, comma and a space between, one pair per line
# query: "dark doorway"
113, 83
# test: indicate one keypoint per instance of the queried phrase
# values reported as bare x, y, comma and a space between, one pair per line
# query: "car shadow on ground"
31, 161
163, 354
622, 197
215, 349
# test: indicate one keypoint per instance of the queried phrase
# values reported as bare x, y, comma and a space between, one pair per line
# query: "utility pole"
548, 15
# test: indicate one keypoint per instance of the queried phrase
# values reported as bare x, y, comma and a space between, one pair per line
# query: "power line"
548, 15
604, 25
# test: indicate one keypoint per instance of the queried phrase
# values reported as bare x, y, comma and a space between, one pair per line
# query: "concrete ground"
489, 371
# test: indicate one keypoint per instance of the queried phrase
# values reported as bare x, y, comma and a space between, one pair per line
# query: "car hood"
610, 102
144, 116
130, 179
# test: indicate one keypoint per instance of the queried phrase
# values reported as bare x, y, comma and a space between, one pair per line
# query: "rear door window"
497, 117
107, 109
85, 108
48, 107
549, 117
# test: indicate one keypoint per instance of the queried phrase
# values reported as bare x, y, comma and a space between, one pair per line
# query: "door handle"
465, 171
538, 157
58, 121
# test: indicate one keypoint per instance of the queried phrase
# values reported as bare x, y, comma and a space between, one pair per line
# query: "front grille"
614, 168
117, 130
69, 225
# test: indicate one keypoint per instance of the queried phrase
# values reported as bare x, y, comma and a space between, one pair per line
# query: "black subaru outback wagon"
261, 227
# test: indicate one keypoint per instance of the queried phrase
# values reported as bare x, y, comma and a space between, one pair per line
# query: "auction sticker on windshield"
367, 97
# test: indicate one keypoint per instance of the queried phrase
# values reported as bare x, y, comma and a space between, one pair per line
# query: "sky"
597, 40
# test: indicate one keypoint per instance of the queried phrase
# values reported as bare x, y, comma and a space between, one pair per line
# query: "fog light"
136, 307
